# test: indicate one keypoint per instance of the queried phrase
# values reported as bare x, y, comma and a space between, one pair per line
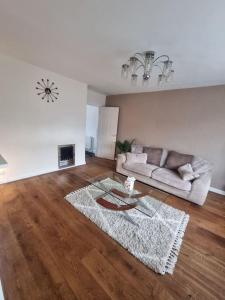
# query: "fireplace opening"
66, 155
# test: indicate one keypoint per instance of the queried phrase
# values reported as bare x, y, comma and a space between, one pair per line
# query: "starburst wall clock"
47, 90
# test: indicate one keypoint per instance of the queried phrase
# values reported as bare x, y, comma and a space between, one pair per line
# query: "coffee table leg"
126, 215
140, 203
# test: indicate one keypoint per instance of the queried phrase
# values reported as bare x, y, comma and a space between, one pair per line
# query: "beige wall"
188, 120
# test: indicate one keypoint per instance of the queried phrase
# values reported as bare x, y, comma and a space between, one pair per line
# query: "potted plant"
123, 147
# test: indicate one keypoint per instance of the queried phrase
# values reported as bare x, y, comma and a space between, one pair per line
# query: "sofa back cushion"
136, 148
163, 157
136, 158
154, 155
175, 160
200, 165
142, 169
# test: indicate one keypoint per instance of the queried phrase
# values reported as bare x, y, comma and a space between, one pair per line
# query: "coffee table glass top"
113, 191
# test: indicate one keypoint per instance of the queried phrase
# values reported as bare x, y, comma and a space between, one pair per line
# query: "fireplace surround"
66, 155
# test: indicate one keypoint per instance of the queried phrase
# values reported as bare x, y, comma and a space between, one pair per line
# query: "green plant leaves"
124, 146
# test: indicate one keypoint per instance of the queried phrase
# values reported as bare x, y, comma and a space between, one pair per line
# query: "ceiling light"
143, 63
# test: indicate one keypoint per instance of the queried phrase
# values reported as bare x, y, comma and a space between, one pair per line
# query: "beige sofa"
168, 180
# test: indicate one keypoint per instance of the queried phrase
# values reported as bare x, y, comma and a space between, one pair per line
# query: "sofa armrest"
121, 158
200, 188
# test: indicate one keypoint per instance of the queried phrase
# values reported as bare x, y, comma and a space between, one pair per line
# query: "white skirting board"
217, 191
40, 173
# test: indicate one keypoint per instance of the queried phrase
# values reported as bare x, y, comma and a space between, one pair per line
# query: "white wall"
30, 128
92, 114
95, 99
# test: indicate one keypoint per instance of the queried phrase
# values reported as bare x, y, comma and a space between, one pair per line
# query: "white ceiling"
89, 39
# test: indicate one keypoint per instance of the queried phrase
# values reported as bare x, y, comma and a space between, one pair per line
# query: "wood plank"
110, 280
16, 276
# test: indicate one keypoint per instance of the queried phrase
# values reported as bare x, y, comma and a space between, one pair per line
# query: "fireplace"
66, 155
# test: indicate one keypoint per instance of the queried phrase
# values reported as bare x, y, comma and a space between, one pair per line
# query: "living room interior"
112, 169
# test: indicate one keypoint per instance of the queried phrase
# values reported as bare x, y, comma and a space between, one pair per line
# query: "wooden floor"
48, 250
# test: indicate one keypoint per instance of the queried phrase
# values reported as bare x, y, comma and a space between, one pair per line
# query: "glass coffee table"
113, 195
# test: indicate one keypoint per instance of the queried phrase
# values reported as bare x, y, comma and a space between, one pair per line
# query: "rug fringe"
74, 192
172, 259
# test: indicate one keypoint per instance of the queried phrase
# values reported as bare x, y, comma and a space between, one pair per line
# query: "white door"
107, 131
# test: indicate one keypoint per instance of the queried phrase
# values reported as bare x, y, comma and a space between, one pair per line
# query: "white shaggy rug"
155, 242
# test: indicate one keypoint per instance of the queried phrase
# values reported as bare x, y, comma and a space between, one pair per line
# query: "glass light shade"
161, 79
133, 64
134, 78
145, 83
148, 60
124, 71
149, 54
170, 63
164, 67
170, 76
145, 79
167, 65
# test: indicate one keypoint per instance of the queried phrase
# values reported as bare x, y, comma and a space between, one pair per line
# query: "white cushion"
136, 158
171, 178
136, 148
140, 168
186, 172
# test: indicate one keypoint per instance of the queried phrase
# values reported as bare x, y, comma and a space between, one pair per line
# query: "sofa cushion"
154, 155
171, 178
136, 148
136, 158
200, 165
140, 168
163, 157
186, 172
175, 160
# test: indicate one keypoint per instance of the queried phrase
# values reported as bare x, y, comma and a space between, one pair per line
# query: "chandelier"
143, 63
